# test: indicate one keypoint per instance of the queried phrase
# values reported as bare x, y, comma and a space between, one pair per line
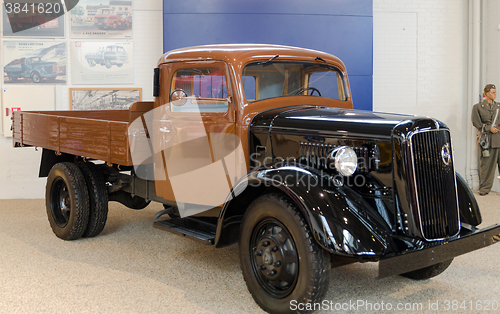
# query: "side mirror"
178, 97
156, 83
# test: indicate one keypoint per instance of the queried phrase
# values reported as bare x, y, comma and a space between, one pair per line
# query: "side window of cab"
200, 88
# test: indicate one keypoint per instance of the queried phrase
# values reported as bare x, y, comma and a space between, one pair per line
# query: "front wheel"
280, 260
36, 78
428, 272
67, 201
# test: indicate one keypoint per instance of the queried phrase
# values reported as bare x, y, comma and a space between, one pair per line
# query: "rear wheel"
428, 272
67, 201
11, 77
98, 199
108, 64
280, 260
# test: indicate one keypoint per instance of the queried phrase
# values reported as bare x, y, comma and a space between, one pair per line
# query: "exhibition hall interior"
265, 156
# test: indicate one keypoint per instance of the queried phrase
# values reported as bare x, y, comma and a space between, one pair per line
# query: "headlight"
345, 160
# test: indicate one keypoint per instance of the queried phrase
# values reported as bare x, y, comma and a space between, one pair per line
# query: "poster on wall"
24, 19
34, 62
102, 62
103, 98
101, 19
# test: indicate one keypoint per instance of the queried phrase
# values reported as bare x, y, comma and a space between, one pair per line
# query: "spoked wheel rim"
36, 78
274, 258
60, 203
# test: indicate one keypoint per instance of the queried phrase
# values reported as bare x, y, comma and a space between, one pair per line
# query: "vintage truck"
259, 145
109, 56
32, 67
108, 18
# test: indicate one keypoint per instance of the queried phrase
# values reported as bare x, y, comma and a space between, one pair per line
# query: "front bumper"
119, 61
442, 251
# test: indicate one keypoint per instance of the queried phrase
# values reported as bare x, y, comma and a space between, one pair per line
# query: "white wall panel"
395, 56
420, 63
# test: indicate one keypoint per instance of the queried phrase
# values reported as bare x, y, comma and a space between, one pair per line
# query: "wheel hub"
267, 258
61, 207
275, 258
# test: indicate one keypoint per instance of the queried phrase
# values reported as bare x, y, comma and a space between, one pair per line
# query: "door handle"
164, 130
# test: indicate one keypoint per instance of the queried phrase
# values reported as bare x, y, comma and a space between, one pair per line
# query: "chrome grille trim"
308, 149
318, 151
434, 185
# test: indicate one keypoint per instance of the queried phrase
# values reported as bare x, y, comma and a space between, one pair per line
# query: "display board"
103, 98
102, 19
98, 62
16, 98
34, 62
33, 18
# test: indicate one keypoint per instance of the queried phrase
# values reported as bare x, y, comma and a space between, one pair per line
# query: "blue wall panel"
307, 7
343, 28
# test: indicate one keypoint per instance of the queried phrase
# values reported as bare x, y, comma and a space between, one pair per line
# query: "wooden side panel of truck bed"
96, 134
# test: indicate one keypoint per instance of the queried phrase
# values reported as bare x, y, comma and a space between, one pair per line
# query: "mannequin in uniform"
483, 114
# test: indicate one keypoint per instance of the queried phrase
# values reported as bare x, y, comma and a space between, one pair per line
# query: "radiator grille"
316, 153
435, 185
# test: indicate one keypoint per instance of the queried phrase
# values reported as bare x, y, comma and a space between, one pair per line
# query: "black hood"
315, 120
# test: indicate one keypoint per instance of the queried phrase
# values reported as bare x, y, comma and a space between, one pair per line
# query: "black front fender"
340, 220
469, 210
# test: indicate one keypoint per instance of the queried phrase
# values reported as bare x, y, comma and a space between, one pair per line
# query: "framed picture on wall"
34, 62
103, 98
102, 19
23, 19
99, 62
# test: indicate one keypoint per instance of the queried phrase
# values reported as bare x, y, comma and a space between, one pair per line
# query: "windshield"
266, 80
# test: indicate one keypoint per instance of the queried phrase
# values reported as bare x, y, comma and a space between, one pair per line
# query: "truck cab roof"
242, 54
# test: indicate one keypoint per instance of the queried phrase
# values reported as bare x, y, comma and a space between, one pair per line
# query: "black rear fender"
49, 159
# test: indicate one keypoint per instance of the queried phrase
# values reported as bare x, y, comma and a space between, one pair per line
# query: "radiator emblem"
446, 154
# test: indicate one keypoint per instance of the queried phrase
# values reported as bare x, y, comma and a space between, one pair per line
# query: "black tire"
36, 78
67, 201
108, 64
428, 272
119, 65
98, 199
11, 77
280, 260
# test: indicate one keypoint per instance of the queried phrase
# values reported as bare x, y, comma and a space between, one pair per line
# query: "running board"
189, 227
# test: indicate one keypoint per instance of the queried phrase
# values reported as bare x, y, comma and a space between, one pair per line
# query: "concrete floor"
134, 268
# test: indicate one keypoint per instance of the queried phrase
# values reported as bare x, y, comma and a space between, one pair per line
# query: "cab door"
197, 156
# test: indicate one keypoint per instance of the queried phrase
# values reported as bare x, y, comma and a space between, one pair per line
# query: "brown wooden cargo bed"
96, 134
